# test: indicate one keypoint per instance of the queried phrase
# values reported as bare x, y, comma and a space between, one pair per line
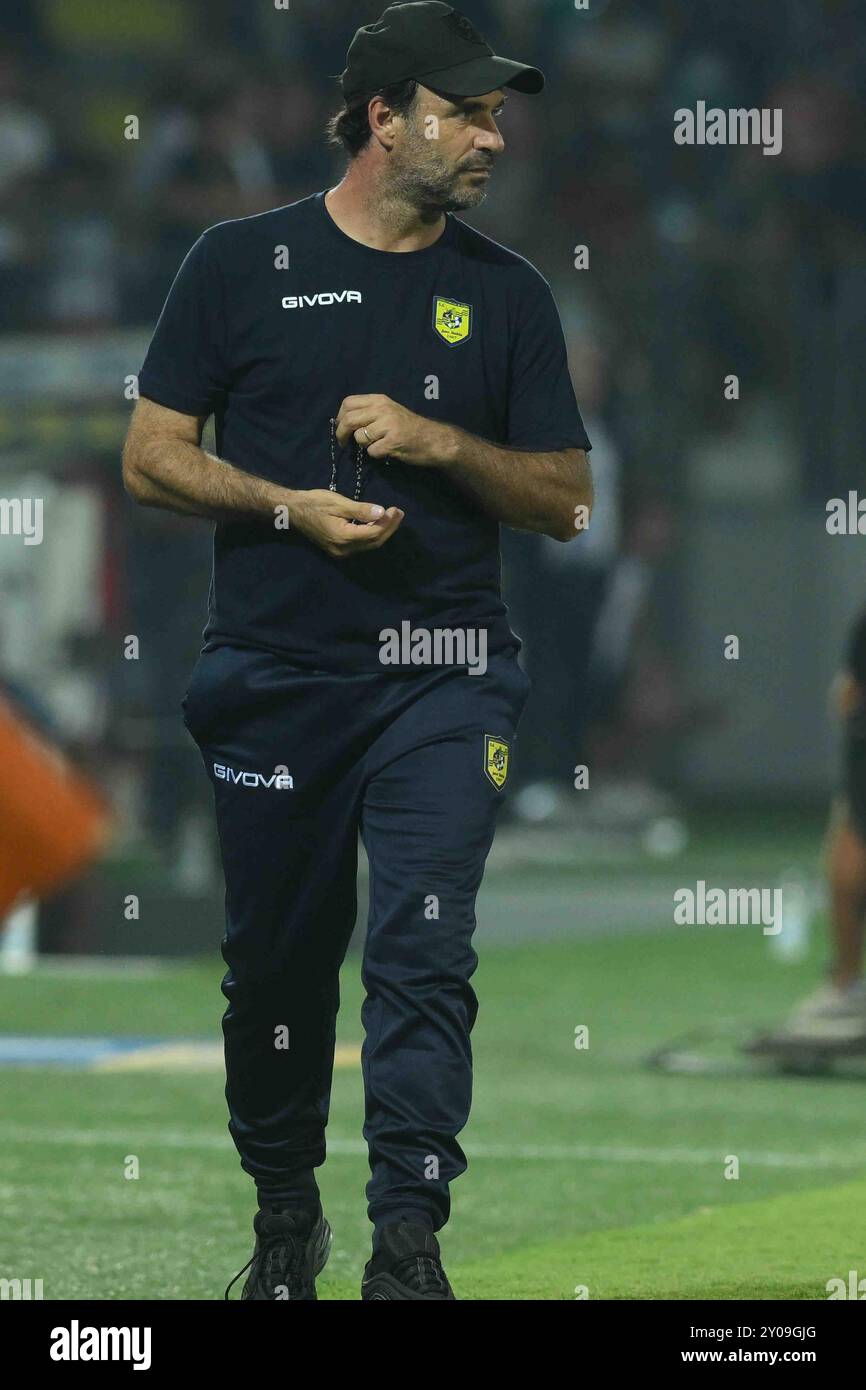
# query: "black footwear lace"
279, 1265
422, 1274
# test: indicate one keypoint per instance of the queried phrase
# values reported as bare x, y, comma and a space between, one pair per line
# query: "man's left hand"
388, 430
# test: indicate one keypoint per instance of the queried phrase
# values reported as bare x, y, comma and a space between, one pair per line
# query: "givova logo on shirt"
324, 297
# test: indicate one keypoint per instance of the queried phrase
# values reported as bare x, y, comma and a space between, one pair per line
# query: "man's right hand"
164, 465
340, 526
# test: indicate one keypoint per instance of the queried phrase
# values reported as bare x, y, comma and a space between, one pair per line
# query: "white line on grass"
589, 1153
109, 967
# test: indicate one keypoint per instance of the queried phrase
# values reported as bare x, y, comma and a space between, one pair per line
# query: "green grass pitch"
587, 1172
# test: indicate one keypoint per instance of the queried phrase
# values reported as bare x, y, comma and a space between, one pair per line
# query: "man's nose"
490, 140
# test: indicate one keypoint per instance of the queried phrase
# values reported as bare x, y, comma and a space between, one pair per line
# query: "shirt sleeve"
542, 410
185, 366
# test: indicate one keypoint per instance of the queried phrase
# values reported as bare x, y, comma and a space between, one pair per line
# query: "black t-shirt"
463, 331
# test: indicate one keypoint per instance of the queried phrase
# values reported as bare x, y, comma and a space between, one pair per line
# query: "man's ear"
381, 119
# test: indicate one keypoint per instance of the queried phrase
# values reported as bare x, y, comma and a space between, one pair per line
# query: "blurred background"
710, 517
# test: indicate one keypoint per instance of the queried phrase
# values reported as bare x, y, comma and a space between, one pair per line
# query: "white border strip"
544, 1153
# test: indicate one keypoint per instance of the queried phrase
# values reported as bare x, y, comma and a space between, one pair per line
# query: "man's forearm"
182, 477
528, 491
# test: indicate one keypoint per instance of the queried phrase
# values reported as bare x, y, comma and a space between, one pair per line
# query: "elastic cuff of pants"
416, 1216
294, 1192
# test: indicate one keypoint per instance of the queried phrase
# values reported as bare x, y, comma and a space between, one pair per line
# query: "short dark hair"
350, 128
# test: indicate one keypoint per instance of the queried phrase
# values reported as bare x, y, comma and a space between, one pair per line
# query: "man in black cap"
388, 386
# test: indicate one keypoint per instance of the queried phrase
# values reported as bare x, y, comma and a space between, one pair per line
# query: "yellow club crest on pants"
496, 760
452, 320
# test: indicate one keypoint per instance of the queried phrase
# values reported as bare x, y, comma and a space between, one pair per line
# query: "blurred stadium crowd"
702, 262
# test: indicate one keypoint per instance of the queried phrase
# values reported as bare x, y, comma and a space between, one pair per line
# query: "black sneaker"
292, 1247
406, 1264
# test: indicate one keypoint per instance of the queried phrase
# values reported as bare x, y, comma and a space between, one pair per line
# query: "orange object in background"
53, 821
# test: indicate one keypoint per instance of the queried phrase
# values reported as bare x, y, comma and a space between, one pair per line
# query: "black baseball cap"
435, 45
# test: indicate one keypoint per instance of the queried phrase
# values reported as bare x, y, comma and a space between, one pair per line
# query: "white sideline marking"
109, 967
589, 1153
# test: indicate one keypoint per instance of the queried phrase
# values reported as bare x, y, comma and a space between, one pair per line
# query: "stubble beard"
425, 182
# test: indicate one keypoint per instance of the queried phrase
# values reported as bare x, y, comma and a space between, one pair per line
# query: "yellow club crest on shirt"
496, 760
452, 320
